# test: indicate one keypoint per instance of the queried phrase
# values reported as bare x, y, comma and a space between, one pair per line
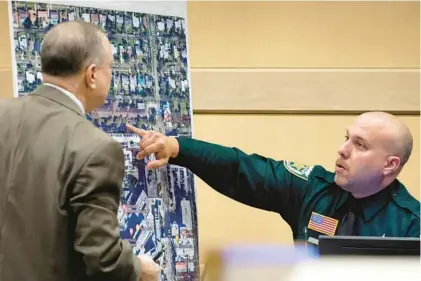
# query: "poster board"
151, 90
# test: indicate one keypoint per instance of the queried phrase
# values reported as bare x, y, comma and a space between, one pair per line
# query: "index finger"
137, 131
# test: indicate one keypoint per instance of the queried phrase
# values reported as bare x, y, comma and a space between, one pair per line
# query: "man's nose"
343, 151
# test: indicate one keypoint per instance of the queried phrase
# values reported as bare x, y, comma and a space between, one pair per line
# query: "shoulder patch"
299, 170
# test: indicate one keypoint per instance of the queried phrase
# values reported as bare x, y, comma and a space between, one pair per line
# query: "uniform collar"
371, 205
60, 96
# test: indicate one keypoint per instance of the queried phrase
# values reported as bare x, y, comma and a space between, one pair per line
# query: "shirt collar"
371, 205
69, 94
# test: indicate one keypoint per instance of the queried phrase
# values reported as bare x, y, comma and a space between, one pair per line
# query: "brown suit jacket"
60, 186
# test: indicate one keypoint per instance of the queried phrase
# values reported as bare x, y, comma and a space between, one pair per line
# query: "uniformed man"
363, 197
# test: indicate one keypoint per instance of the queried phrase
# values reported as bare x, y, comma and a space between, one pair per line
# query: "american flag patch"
322, 224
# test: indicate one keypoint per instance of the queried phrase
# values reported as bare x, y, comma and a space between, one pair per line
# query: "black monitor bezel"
368, 246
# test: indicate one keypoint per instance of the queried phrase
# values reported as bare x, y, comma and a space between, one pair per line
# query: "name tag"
313, 241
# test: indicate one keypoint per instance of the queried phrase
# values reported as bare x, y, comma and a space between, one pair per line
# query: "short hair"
71, 46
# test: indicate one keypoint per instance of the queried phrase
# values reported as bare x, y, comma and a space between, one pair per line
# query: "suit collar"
58, 96
68, 94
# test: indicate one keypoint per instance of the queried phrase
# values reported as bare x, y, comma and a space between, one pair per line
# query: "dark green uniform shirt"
297, 191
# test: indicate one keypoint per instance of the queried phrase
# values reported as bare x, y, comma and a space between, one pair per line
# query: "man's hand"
153, 142
149, 270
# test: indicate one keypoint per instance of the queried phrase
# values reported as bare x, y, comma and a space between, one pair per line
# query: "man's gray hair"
71, 46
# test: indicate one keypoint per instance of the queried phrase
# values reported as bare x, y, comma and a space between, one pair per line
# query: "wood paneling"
298, 34
305, 90
5, 51
6, 83
6, 80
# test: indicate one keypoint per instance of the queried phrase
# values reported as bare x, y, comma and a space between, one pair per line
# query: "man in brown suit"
60, 176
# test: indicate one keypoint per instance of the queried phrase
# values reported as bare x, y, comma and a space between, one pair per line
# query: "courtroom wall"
284, 79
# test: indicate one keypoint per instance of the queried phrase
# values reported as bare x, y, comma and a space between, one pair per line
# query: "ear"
393, 163
90, 76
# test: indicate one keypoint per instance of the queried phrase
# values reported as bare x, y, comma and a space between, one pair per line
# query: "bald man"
60, 176
363, 197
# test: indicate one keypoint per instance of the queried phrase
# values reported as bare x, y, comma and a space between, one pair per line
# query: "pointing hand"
153, 142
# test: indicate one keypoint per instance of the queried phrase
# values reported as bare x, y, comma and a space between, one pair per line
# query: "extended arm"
260, 182
251, 179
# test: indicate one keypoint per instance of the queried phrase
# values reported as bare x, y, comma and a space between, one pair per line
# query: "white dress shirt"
69, 94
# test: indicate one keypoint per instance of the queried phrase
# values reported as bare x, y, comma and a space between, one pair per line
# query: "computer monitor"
368, 246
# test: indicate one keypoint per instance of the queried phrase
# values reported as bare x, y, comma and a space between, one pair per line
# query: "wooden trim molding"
305, 90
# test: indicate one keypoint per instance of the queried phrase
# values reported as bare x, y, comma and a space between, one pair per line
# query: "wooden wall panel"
5, 51
6, 80
305, 90
315, 56
6, 83
298, 34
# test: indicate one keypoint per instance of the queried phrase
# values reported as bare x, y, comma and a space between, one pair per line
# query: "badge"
322, 224
299, 170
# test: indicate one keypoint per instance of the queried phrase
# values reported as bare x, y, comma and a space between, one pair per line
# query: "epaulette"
405, 200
